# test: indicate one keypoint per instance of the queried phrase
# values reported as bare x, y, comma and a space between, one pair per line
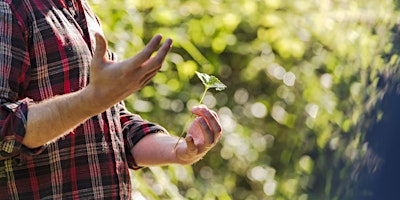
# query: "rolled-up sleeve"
14, 64
13, 119
134, 129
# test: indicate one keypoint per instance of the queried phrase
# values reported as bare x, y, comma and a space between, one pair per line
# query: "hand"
111, 82
203, 134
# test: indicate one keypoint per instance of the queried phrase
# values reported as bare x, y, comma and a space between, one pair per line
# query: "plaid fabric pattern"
45, 50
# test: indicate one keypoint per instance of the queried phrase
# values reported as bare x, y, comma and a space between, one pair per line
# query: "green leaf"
210, 81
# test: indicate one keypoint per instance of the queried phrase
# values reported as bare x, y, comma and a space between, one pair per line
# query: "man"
64, 130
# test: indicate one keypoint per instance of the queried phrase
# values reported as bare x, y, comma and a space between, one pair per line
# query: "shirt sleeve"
14, 64
134, 129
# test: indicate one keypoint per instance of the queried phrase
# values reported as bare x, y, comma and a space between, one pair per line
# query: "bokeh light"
302, 81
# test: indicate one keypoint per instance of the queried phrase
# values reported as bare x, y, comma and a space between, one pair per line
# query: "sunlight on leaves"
210, 81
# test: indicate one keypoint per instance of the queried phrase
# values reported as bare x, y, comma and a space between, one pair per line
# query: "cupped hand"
111, 82
202, 135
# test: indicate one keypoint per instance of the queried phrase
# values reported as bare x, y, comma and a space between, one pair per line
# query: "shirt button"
70, 4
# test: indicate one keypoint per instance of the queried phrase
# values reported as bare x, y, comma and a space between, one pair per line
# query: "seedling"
209, 82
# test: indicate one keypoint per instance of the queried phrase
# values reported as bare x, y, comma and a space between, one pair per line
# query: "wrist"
179, 155
91, 103
184, 155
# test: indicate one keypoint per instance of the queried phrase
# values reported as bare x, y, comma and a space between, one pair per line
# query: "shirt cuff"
13, 128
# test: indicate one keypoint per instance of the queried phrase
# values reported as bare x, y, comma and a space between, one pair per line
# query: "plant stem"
203, 95
183, 132
187, 122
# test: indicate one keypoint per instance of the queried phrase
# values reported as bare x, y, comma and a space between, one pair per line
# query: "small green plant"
209, 82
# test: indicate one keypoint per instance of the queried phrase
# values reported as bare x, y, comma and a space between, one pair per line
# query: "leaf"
210, 81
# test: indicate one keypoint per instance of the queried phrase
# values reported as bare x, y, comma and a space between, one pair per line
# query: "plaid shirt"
45, 50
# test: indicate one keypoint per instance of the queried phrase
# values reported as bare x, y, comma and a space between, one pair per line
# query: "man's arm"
109, 84
158, 148
54, 117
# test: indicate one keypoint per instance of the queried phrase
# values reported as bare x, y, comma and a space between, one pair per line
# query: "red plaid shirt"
45, 50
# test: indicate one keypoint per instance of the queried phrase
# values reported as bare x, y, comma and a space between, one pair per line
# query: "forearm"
52, 118
156, 149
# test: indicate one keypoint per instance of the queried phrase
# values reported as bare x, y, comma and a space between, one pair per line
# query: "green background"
302, 91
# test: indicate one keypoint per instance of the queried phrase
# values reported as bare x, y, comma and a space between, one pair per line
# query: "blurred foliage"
302, 80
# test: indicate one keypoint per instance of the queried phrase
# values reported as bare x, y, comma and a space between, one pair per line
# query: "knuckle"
218, 129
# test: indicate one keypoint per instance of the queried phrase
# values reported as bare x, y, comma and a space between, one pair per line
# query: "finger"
191, 147
163, 51
153, 65
214, 114
218, 132
197, 109
147, 76
146, 53
146, 79
206, 131
100, 52
210, 117
156, 61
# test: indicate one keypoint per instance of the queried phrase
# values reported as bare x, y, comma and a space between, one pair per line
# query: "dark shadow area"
383, 138
384, 141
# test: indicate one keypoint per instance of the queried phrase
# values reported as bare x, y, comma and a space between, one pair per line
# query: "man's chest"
60, 39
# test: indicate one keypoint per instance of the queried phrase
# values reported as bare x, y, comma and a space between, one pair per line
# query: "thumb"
191, 147
100, 51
